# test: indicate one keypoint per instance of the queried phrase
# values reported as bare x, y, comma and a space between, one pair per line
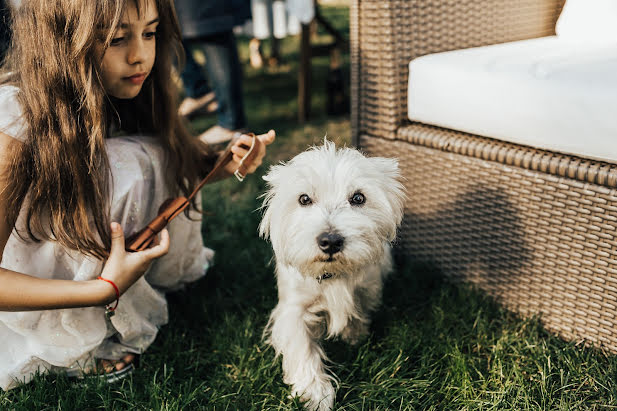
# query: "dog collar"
324, 276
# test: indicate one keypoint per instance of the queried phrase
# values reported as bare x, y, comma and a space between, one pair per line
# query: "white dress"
57, 340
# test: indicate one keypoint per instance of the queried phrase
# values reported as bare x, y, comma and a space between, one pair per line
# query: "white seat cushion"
545, 93
588, 21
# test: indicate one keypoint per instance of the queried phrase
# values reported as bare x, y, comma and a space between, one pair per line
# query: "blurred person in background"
271, 20
207, 26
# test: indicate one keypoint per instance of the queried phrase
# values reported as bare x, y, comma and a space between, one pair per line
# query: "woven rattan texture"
354, 57
387, 34
577, 168
540, 244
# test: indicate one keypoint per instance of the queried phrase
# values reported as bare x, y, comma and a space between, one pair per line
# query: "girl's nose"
136, 52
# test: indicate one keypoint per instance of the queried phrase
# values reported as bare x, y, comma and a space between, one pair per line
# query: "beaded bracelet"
110, 311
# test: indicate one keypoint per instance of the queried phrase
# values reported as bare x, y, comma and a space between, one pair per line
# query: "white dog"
331, 216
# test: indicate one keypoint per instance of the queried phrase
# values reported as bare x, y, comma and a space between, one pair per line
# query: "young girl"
89, 134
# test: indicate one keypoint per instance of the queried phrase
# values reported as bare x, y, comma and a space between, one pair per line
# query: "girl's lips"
137, 78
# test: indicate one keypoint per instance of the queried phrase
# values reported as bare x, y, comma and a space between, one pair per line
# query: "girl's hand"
125, 268
239, 151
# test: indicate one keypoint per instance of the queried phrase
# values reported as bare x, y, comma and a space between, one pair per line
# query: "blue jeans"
193, 80
225, 74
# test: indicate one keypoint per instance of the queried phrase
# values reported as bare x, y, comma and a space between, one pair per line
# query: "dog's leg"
367, 300
294, 334
356, 331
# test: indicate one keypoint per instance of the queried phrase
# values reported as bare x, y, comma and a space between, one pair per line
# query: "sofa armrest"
387, 34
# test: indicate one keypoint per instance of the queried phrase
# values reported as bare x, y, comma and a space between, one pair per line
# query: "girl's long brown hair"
62, 167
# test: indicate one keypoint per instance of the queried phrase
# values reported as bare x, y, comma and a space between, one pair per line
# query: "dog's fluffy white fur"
331, 216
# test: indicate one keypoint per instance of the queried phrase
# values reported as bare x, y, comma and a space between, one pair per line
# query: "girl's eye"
304, 200
116, 40
150, 34
357, 199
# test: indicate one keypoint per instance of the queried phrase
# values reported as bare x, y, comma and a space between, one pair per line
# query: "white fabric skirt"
60, 340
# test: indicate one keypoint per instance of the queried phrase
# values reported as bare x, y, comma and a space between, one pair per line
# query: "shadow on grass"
434, 344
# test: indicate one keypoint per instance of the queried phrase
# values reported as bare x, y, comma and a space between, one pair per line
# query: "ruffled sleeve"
11, 120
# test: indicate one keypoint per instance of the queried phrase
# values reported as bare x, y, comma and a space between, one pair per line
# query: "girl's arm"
21, 292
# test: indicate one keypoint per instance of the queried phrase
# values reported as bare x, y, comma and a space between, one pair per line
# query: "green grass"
432, 345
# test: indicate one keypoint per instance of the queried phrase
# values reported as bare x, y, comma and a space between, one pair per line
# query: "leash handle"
172, 207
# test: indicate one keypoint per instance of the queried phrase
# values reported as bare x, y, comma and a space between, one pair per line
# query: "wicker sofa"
534, 229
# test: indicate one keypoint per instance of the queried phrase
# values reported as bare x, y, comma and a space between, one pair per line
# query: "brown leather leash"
172, 207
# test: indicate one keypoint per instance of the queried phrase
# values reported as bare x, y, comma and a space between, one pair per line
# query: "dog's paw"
355, 332
318, 396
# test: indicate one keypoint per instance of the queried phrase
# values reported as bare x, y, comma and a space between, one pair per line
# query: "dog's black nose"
330, 243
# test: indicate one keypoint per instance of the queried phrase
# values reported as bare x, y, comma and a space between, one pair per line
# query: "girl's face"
128, 60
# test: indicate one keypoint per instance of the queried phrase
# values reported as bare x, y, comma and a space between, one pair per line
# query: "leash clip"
237, 173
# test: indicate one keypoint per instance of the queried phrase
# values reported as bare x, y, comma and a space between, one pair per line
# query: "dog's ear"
272, 179
394, 190
264, 225
273, 176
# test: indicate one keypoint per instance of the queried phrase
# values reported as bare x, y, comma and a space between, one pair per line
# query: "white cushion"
588, 20
545, 93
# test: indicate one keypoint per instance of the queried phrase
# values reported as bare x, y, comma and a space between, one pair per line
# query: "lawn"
433, 345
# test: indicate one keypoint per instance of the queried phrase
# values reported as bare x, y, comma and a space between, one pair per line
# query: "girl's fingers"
159, 249
268, 138
256, 162
117, 238
156, 241
244, 139
240, 151
237, 157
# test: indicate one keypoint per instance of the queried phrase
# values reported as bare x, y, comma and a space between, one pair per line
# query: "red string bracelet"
110, 311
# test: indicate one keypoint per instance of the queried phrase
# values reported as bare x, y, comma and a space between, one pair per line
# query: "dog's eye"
305, 200
357, 199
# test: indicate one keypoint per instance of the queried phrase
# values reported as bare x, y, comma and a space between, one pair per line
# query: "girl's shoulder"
11, 120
